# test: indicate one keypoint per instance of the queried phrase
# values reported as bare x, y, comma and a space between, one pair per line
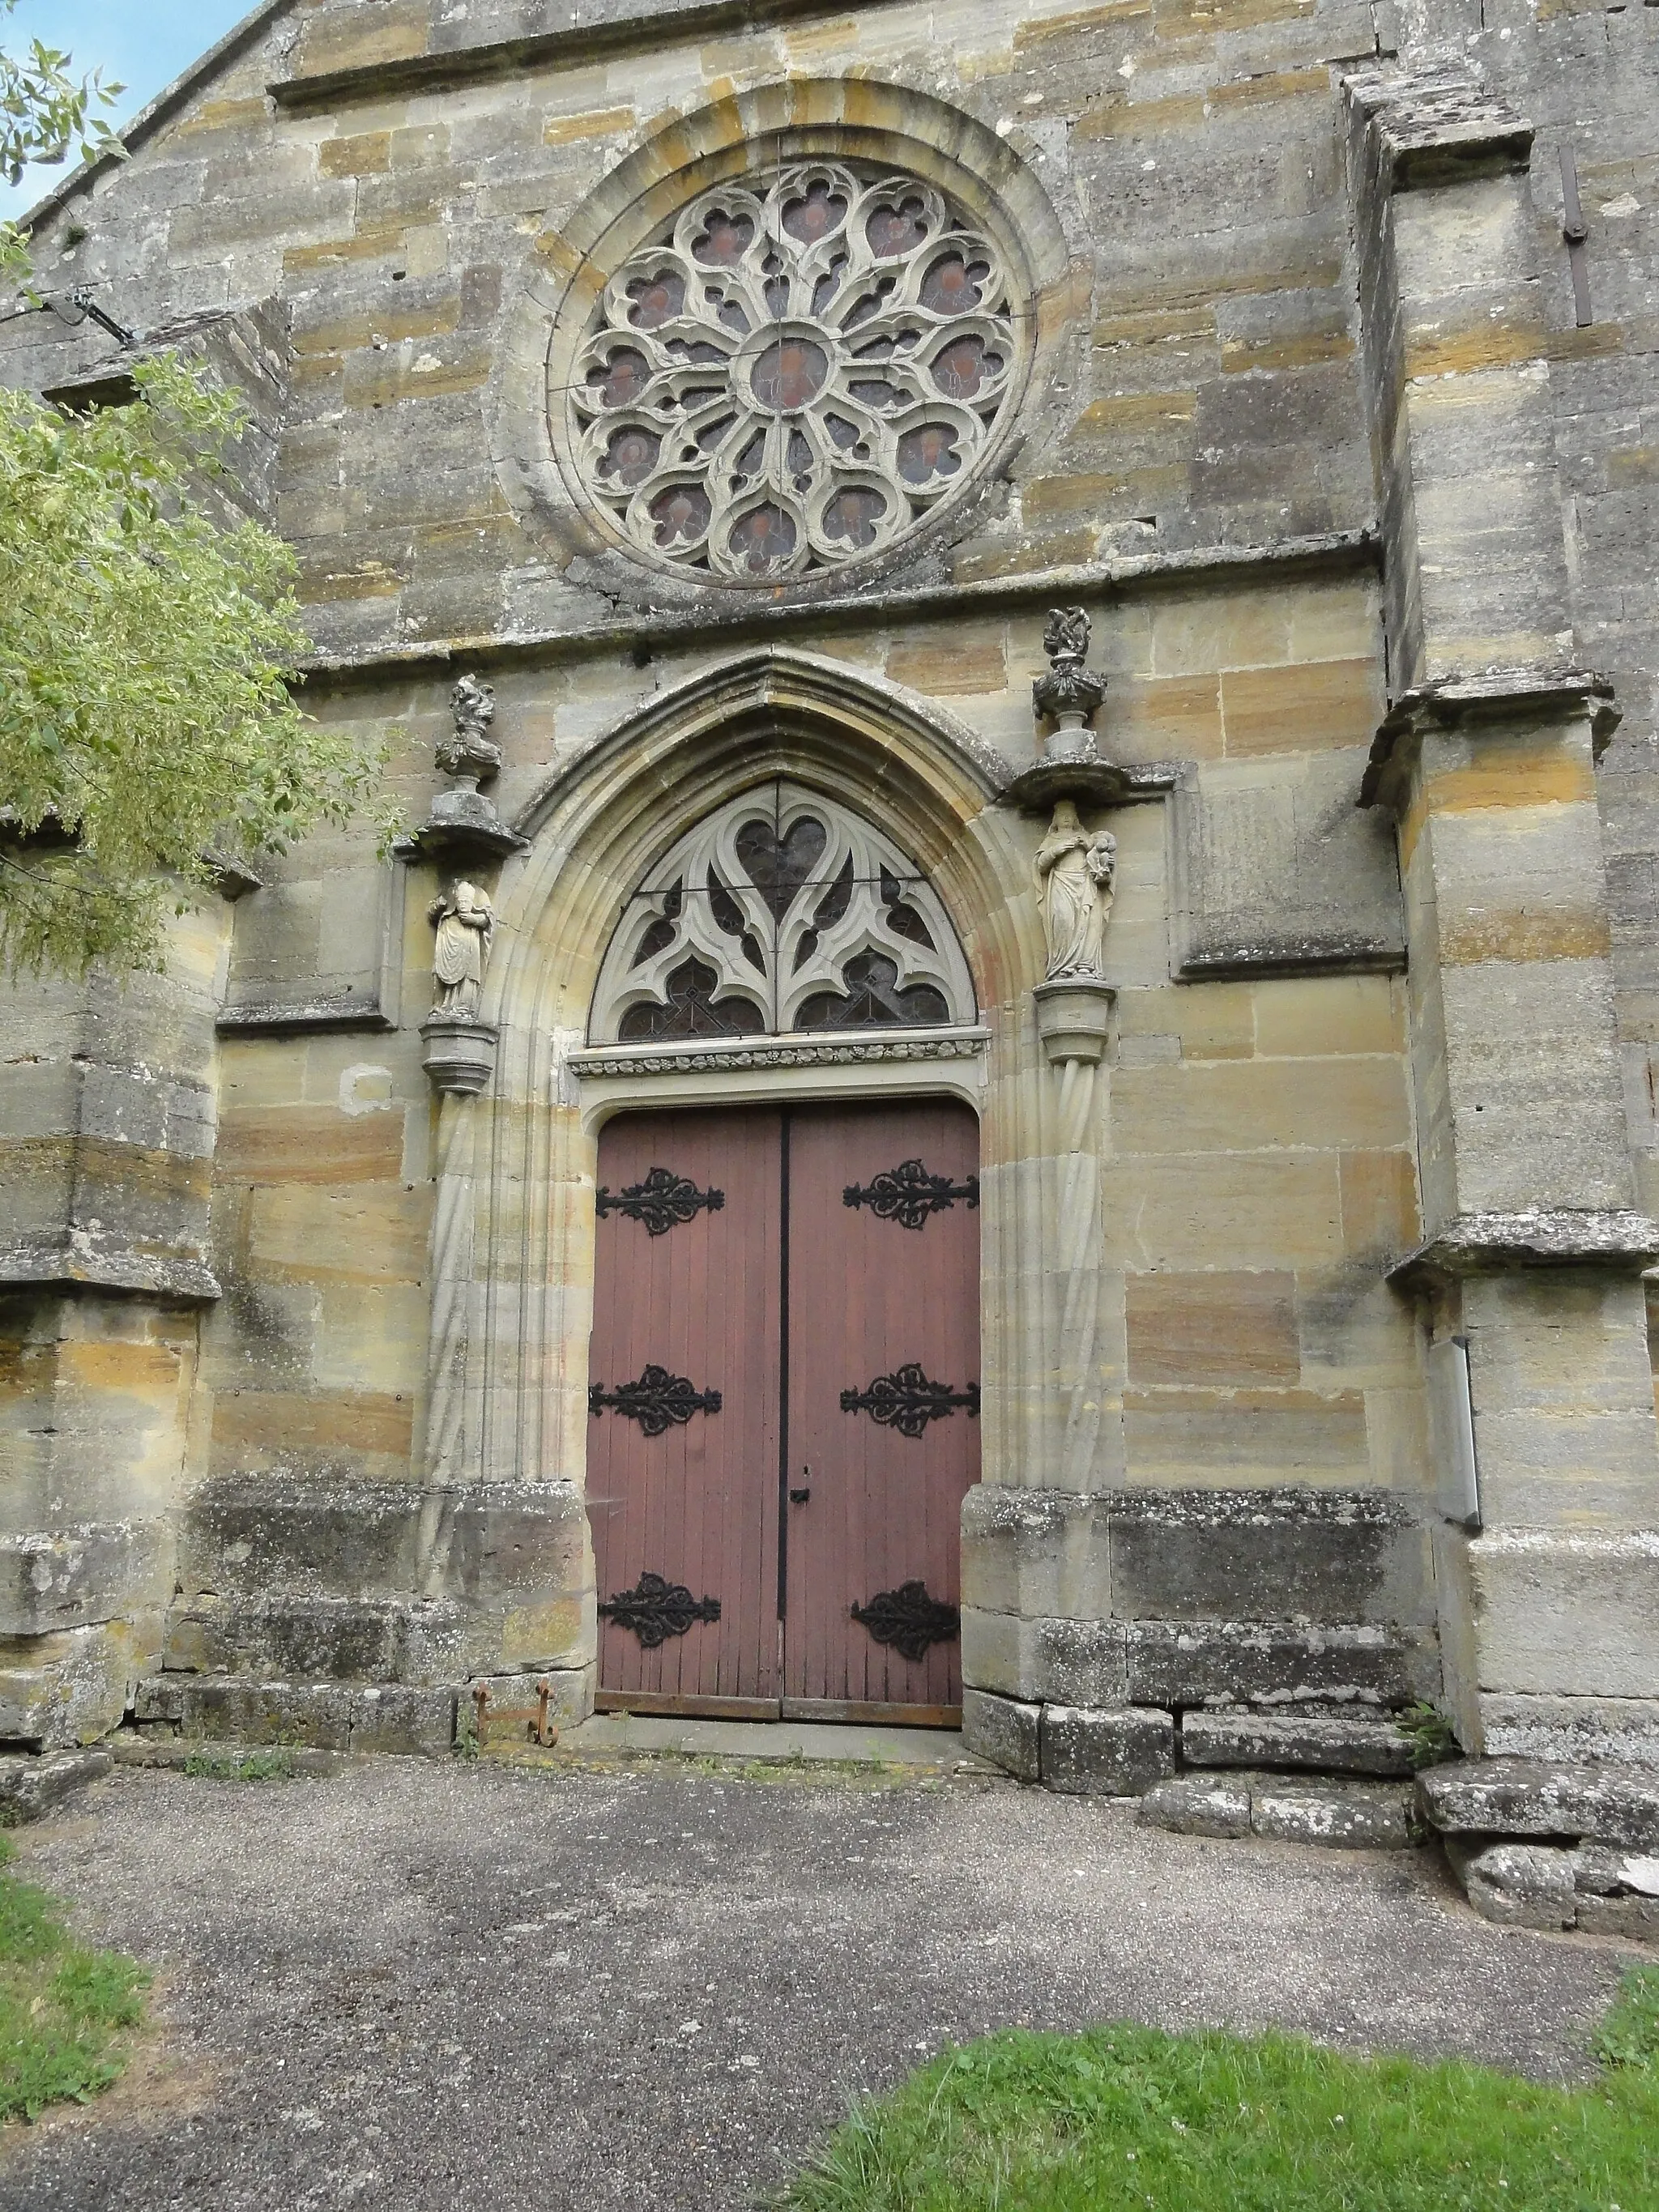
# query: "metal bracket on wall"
1576, 231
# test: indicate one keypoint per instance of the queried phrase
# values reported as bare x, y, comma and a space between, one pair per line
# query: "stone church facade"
1018, 645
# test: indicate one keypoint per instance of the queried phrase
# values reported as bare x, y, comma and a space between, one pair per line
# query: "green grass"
63, 2007
1123, 2117
242, 1766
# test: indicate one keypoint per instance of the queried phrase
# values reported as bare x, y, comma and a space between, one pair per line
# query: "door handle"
799, 1497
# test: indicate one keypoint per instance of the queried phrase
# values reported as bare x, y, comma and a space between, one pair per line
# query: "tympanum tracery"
798, 368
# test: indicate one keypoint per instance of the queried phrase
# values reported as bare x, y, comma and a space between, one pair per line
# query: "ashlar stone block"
1087, 1752
1005, 1730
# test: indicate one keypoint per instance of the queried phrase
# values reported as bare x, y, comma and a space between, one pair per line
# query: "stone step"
1595, 1888
33, 1783
330, 1715
277, 1635
1528, 1797
1343, 1815
1323, 1741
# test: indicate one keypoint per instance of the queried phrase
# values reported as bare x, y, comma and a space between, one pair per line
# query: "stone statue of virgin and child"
1075, 868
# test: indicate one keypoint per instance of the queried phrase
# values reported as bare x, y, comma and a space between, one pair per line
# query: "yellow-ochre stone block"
604, 123
1213, 1328
274, 1422
1305, 708
950, 661
365, 156
1522, 933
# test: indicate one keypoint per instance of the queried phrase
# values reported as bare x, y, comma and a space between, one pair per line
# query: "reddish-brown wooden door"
791, 1542
883, 1309
683, 1286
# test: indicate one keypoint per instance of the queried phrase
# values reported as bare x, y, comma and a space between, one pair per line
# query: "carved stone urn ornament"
460, 1048
1075, 867
462, 824
1070, 695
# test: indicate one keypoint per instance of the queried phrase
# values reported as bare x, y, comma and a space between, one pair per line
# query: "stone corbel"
460, 1053
1075, 1018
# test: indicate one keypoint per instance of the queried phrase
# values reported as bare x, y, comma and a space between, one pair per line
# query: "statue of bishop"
467, 923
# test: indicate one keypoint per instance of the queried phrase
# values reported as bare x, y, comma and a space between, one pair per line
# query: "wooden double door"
784, 1409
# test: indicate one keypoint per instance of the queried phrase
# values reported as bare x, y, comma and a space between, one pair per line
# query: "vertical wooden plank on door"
869, 1297
696, 1504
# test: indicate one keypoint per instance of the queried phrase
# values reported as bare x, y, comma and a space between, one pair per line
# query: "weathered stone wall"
1298, 455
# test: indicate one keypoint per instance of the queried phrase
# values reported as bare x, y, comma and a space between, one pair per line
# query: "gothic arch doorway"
784, 1402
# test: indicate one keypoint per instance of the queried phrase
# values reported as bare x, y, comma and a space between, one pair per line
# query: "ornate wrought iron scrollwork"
658, 1401
908, 1620
663, 1201
906, 1401
910, 1195
656, 1609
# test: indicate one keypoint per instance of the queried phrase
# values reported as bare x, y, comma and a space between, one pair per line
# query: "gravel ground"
436, 1988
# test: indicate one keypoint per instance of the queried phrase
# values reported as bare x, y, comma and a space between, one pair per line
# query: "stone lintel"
1437, 124
1496, 701
1490, 1244
121, 1269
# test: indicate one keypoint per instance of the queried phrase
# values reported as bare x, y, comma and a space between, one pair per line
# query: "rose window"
799, 369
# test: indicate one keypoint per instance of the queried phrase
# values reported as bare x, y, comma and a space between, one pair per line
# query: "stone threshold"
616, 1738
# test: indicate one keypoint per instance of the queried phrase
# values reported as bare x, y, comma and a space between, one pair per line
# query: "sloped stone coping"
1476, 1243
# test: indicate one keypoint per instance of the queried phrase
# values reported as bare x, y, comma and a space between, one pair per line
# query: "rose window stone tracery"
798, 369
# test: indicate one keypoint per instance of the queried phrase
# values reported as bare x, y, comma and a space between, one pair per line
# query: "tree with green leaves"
148, 646
44, 114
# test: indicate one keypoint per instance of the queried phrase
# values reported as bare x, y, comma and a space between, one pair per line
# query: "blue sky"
142, 43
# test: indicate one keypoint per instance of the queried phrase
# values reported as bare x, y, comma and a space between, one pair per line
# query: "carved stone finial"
469, 753
1069, 694
1075, 873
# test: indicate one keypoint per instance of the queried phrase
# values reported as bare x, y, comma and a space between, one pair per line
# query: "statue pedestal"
1075, 1018
460, 1053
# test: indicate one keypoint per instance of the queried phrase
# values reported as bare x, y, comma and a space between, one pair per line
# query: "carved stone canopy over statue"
1075, 870
466, 923
1069, 694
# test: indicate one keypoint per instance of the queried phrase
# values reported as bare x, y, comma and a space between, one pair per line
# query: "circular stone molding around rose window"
795, 353
793, 373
